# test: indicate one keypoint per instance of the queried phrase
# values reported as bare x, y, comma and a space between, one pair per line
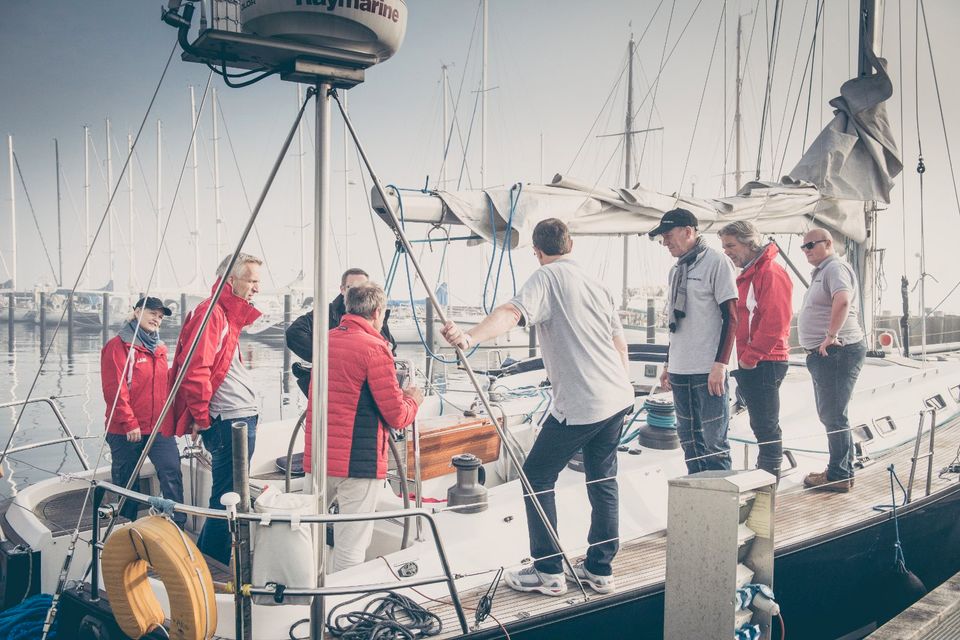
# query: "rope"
771, 64
381, 619
16, 162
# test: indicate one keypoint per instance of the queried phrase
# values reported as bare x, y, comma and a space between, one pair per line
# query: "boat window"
936, 402
884, 425
955, 392
862, 433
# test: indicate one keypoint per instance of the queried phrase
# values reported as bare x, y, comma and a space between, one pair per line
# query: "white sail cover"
854, 159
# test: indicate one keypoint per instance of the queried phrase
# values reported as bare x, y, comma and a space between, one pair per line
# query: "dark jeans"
760, 389
214, 538
702, 421
166, 461
834, 377
554, 447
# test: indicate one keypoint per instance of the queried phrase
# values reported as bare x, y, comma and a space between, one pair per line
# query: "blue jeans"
760, 389
553, 449
214, 538
166, 461
702, 421
834, 377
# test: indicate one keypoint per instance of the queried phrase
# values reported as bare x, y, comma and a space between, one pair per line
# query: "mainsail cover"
854, 159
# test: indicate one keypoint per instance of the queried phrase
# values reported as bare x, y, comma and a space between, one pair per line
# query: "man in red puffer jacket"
764, 311
134, 390
217, 389
364, 402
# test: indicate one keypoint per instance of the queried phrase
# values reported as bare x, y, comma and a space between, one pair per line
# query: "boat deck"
800, 515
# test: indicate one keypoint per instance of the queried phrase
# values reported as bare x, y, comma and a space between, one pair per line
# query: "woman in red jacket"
133, 371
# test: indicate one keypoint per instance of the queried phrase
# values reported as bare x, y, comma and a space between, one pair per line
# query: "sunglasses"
808, 246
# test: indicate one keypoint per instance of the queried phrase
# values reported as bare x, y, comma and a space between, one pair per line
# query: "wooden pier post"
70, 325
106, 317
287, 357
10, 310
183, 309
651, 320
532, 346
43, 319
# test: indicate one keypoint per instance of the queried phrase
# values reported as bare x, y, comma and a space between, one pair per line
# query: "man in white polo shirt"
703, 325
829, 330
585, 355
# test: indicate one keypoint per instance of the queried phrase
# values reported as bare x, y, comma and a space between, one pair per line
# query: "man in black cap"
703, 324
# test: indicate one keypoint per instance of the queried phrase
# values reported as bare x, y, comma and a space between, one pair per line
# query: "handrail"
68, 434
932, 412
101, 487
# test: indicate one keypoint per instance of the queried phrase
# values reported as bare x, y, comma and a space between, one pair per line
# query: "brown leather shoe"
819, 481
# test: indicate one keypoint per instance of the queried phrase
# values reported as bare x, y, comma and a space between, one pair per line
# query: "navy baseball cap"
156, 304
673, 219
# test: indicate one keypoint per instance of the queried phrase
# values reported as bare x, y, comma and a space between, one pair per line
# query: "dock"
936, 616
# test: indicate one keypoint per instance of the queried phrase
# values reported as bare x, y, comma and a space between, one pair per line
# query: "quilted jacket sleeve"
397, 410
196, 388
300, 336
113, 362
774, 292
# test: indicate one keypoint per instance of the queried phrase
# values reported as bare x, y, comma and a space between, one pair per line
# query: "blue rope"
898, 559
25, 620
416, 321
162, 505
505, 249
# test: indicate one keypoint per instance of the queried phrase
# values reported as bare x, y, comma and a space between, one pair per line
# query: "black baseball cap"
155, 304
673, 219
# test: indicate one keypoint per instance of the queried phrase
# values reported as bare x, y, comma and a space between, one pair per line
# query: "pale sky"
552, 68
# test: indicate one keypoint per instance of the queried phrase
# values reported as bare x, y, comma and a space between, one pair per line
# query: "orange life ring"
156, 543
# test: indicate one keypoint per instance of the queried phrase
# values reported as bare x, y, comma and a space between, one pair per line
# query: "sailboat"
834, 569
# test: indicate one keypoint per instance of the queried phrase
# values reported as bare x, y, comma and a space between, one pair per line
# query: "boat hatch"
884, 425
955, 392
862, 433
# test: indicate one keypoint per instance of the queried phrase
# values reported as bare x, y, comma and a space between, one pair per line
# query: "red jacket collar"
351, 320
239, 312
769, 254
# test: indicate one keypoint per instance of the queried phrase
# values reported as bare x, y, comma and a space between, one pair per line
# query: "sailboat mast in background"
110, 207
628, 164
13, 217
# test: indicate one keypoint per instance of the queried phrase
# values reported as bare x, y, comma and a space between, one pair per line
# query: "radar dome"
371, 27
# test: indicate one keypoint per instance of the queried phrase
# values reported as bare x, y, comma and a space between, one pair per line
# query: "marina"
212, 459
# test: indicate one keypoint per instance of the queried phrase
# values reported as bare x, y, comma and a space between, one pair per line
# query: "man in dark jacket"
300, 331
365, 402
764, 311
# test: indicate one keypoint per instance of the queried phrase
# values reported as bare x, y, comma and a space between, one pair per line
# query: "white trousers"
351, 539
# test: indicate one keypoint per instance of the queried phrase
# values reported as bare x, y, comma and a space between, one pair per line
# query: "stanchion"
241, 485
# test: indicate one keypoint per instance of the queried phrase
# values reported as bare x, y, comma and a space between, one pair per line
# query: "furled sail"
854, 159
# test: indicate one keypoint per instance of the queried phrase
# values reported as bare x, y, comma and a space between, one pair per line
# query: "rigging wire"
903, 186
616, 85
656, 83
33, 213
813, 64
771, 65
703, 93
793, 118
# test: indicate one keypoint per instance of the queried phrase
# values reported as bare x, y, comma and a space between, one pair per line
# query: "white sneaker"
600, 584
529, 579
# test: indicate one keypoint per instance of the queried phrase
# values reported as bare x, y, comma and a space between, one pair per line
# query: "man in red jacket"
133, 373
364, 402
217, 389
764, 310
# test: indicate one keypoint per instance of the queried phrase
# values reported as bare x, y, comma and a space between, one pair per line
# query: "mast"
196, 191
111, 255
627, 164
131, 280
483, 102
443, 135
13, 216
303, 238
871, 15
318, 391
346, 192
159, 231
738, 173
216, 172
56, 155
86, 199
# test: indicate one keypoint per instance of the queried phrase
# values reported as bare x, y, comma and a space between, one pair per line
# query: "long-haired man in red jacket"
764, 311
133, 373
364, 402
217, 389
